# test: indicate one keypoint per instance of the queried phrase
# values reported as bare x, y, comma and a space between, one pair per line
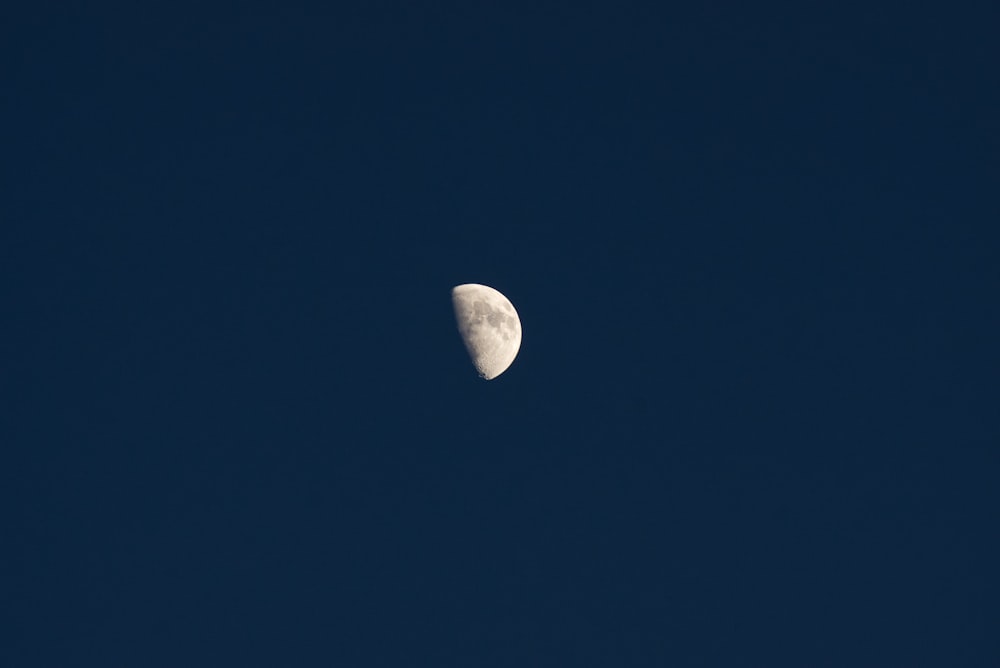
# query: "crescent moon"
489, 325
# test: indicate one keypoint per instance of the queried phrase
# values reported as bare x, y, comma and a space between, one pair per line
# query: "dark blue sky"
753, 421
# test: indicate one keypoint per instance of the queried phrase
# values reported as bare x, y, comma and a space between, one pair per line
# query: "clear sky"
753, 421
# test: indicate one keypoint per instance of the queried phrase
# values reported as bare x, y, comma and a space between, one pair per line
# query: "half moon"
489, 327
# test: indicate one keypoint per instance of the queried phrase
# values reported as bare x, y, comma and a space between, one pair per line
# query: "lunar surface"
489, 327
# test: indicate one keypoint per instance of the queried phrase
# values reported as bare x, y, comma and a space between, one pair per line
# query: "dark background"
753, 421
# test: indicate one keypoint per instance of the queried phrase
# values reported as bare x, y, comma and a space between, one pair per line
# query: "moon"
489, 327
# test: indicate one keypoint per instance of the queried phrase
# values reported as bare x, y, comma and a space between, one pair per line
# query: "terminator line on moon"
489, 327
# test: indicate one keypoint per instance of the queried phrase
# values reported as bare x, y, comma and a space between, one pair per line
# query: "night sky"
753, 421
